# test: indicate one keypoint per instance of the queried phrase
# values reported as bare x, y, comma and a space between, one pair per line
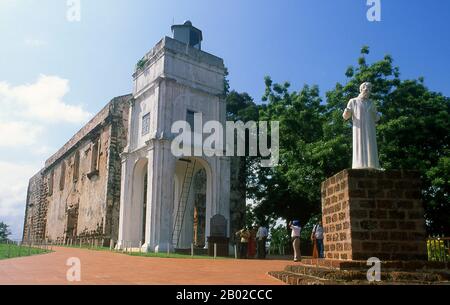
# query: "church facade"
117, 179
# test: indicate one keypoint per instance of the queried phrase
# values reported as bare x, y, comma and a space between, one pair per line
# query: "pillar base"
164, 248
373, 213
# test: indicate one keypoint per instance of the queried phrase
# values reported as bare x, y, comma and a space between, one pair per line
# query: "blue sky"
55, 74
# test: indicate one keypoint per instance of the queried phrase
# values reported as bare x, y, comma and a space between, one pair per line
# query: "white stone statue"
365, 116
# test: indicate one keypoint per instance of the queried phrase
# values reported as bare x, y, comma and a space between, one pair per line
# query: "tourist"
244, 236
261, 238
296, 229
252, 243
317, 237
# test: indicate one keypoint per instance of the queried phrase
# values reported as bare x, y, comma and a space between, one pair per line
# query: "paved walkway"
103, 267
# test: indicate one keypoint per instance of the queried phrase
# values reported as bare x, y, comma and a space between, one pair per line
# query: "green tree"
240, 107
414, 132
316, 142
279, 239
4, 232
285, 191
437, 196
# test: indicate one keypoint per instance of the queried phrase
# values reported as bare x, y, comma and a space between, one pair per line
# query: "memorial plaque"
218, 226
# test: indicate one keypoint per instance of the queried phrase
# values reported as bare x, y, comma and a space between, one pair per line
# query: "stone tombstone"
218, 238
218, 226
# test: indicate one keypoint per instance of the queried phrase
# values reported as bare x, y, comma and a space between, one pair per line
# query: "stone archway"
192, 175
138, 205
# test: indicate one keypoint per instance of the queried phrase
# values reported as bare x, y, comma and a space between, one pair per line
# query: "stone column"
372, 213
161, 172
218, 192
125, 198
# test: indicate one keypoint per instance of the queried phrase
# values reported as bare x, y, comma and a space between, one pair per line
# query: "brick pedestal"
371, 213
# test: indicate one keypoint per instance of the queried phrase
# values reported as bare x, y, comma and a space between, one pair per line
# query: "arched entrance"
138, 204
191, 196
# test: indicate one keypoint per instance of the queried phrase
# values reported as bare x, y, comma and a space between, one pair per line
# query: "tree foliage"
4, 232
315, 142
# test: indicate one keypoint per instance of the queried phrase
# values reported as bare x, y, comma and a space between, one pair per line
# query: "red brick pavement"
103, 267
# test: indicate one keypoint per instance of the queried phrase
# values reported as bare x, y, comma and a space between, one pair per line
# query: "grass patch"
12, 251
438, 250
144, 254
85, 247
173, 255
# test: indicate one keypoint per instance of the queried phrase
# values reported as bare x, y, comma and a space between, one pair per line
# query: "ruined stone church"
117, 179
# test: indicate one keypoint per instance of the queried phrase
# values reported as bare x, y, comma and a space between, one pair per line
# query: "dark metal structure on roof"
188, 34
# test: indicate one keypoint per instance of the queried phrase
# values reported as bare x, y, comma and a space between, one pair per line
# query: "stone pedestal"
371, 213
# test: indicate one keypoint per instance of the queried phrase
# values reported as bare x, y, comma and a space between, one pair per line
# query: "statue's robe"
364, 115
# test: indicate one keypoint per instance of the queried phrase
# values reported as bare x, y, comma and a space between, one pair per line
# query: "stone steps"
301, 279
361, 275
310, 275
385, 265
297, 279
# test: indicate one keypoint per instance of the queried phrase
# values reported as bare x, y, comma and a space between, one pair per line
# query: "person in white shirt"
317, 235
296, 229
261, 237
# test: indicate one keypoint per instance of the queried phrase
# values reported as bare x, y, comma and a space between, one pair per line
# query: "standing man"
261, 238
317, 236
244, 236
296, 229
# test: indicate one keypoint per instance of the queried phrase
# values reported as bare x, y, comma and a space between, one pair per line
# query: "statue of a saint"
364, 114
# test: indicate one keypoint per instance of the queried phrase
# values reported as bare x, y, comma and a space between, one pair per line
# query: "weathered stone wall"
80, 185
117, 142
87, 195
371, 213
84, 131
35, 211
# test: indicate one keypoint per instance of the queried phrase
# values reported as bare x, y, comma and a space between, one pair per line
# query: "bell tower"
175, 81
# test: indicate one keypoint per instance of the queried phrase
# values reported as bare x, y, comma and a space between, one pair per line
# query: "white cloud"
27, 112
13, 186
13, 189
43, 150
16, 134
41, 101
